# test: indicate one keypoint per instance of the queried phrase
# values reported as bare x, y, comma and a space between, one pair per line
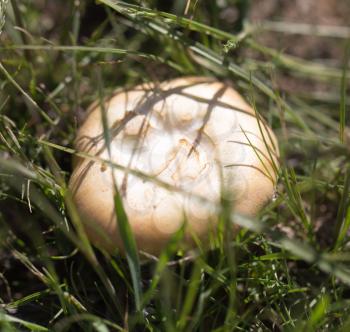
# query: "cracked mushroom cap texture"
179, 146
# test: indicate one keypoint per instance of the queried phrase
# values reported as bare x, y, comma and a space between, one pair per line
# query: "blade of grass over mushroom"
125, 230
113, 165
238, 219
129, 247
132, 171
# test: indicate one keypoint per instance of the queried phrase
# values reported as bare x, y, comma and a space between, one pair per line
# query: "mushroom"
175, 149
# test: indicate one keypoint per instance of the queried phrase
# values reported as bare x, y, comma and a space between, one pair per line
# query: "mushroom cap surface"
181, 145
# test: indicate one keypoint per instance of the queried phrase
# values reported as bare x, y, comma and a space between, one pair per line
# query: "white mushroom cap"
194, 133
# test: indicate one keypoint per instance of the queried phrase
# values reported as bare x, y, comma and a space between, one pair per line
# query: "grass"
286, 270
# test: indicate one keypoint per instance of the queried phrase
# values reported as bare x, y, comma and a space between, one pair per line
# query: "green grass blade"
4, 318
125, 230
91, 49
318, 313
343, 215
129, 247
131, 9
30, 100
343, 95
